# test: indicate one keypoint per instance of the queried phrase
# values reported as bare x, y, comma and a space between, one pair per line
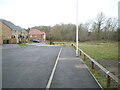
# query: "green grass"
24, 44
100, 79
100, 50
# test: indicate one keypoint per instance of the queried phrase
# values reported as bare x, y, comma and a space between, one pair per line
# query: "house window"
13, 36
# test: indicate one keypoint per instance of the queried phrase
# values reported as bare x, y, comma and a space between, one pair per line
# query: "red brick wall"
37, 37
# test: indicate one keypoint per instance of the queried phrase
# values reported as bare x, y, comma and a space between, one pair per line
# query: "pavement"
9, 46
71, 72
31, 67
42, 44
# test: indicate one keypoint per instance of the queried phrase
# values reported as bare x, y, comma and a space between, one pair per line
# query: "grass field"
100, 50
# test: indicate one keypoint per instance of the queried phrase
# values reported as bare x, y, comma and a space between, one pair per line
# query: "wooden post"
108, 81
84, 57
92, 65
71, 44
80, 53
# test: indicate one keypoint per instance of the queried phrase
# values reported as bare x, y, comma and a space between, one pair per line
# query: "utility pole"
119, 15
77, 28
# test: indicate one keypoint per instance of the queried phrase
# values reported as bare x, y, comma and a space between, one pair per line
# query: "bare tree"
99, 22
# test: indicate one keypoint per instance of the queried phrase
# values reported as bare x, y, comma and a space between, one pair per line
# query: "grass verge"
24, 44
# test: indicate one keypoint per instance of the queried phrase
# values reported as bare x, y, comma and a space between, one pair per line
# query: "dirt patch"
111, 65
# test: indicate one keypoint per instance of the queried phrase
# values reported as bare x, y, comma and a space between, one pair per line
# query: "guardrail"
109, 75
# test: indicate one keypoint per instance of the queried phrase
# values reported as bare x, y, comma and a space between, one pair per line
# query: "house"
20, 34
5, 33
35, 34
17, 32
24, 35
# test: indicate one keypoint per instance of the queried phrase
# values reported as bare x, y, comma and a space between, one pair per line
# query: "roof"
5, 24
35, 31
23, 30
10, 24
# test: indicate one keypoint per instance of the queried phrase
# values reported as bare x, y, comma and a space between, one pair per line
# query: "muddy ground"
111, 65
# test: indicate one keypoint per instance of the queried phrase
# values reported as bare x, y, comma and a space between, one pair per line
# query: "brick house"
18, 34
5, 33
24, 35
35, 34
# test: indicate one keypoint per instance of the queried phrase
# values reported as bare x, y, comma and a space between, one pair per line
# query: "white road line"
53, 71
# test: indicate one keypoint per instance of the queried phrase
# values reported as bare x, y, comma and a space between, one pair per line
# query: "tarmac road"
27, 67
31, 67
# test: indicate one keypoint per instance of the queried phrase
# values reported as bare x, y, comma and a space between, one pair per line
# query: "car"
35, 41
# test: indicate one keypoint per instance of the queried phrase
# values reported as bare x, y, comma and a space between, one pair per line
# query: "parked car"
35, 41
51, 43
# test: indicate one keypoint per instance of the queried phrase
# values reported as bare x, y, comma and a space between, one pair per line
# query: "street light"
77, 28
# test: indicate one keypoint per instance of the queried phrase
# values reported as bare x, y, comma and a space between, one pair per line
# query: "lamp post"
77, 28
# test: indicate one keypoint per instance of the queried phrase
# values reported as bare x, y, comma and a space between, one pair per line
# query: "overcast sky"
28, 13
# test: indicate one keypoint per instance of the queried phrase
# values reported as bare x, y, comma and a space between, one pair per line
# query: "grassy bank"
24, 44
100, 50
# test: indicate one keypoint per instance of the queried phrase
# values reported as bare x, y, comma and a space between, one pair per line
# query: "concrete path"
71, 72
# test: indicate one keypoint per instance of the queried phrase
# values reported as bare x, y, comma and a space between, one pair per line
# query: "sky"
29, 13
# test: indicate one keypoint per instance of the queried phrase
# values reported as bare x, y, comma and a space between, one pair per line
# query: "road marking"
53, 71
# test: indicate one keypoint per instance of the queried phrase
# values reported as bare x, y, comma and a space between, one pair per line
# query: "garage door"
5, 41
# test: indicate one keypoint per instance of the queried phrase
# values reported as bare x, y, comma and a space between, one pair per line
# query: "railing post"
71, 44
80, 53
84, 57
92, 65
108, 80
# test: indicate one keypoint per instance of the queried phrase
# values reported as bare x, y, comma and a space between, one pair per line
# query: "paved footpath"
71, 72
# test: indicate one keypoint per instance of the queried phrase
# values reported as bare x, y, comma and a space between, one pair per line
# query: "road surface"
31, 67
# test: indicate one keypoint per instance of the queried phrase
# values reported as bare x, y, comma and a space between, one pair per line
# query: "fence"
13, 41
109, 75
55, 43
